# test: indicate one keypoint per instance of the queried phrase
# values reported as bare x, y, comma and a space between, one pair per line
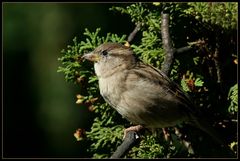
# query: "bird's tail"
207, 128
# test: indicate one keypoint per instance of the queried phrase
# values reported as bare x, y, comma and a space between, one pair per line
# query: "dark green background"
39, 110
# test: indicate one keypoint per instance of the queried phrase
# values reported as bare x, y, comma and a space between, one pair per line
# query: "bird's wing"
162, 82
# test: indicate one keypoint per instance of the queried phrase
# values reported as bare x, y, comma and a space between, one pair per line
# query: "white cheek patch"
97, 69
105, 65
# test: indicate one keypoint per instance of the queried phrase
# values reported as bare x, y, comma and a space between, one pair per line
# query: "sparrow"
141, 93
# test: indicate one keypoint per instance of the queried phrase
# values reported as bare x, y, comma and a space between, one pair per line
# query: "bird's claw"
136, 128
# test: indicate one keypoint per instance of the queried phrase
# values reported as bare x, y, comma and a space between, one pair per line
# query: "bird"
141, 93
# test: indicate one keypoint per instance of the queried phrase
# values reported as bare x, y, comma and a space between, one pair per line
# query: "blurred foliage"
219, 13
196, 71
233, 97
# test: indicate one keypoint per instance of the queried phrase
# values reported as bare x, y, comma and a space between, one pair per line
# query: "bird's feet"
136, 128
166, 134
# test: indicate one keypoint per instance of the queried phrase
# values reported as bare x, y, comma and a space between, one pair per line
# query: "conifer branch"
129, 141
167, 44
134, 32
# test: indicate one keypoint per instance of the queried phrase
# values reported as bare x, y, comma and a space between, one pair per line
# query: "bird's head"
110, 57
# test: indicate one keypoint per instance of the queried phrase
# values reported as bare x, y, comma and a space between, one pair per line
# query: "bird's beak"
91, 57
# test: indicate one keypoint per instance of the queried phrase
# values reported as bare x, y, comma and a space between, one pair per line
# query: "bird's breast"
140, 101
110, 89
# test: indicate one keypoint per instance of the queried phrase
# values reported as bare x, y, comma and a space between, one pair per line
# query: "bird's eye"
104, 53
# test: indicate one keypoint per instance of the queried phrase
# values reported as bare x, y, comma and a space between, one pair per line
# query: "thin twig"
134, 32
189, 47
217, 65
182, 49
167, 44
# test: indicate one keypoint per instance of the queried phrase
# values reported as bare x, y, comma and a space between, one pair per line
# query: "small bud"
156, 3
79, 96
93, 100
79, 99
91, 108
184, 76
80, 79
235, 61
127, 44
205, 89
233, 145
79, 134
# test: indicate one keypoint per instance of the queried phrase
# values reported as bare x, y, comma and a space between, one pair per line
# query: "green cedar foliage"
199, 71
